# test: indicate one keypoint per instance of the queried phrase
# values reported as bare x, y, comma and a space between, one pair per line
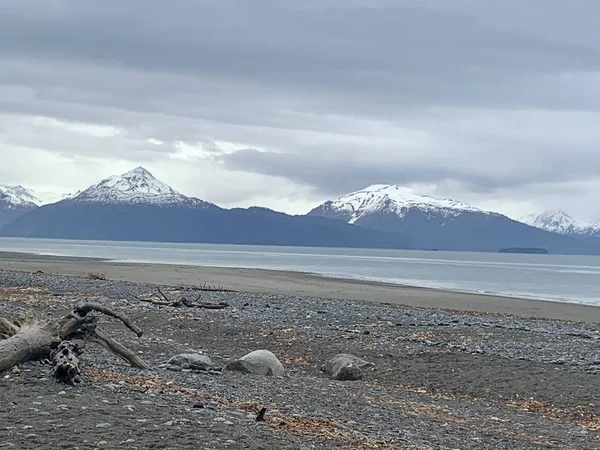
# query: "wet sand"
298, 284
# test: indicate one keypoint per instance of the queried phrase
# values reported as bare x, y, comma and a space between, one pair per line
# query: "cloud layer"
288, 103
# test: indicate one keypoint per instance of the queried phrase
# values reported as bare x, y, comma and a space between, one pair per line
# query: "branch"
210, 305
7, 327
134, 360
163, 295
83, 309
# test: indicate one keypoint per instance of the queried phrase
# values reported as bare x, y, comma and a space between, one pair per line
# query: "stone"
194, 361
346, 367
259, 362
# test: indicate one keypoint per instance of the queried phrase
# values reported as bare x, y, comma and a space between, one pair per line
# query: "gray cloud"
332, 95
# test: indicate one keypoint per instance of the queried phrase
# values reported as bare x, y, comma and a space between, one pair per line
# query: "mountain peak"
137, 186
139, 171
555, 221
18, 197
394, 199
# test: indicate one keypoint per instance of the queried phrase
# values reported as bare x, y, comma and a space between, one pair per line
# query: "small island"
530, 250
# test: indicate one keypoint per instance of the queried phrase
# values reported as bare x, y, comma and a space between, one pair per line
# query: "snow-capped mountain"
442, 224
136, 206
393, 200
18, 197
555, 221
562, 223
15, 201
138, 186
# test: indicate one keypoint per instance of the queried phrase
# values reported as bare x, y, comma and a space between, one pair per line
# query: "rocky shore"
439, 379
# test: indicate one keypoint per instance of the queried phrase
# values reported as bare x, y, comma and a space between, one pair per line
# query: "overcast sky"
287, 103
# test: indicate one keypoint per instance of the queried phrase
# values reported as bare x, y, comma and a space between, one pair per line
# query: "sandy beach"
298, 284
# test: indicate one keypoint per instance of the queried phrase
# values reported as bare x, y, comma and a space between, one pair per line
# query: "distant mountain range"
138, 207
17, 200
443, 224
562, 223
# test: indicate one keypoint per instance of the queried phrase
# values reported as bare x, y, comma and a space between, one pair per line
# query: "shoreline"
275, 282
374, 281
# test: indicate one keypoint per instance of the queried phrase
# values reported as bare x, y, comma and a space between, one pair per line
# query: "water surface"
551, 277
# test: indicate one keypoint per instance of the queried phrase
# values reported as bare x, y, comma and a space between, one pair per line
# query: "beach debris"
97, 276
193, 361
66, 362
62, 340
346, 367
261, 416
163, 300
207, 288
259, 362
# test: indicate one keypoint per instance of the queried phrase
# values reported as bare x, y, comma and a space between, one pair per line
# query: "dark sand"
299, 284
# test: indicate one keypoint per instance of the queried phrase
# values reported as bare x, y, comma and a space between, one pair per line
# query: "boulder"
259, 362
345, 367
193, 361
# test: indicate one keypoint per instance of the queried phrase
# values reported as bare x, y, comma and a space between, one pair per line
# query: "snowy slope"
47, 198
562, 223
139, 187
554, 221
392, 199
18, 197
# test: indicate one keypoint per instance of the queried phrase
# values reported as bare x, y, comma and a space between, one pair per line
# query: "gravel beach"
451, 371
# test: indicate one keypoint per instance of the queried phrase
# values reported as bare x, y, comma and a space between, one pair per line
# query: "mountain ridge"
560, 222
135, 206
442, 224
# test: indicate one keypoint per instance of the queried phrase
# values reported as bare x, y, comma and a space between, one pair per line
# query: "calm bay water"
551, 277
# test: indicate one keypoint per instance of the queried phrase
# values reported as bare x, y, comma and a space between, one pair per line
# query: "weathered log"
183, 301
33, 341
42, 339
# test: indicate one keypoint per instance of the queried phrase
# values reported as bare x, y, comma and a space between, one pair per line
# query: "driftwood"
65, 359
62, 340
163, 300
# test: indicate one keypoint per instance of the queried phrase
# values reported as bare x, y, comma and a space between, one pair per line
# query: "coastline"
290, 283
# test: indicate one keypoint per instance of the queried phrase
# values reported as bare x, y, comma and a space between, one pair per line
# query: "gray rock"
345, 367
259, 362
192, 361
